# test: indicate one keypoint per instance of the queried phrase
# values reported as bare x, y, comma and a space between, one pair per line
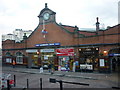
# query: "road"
34, 80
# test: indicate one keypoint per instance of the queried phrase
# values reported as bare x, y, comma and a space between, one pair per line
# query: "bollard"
14, 80
40, 83
8, 85
27, 84
61, 85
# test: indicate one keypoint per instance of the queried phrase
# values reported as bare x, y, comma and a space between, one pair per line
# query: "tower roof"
46, 9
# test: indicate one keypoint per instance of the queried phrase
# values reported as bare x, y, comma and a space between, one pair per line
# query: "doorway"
33, 60
115, 61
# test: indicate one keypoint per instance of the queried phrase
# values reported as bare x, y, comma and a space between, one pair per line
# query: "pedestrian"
71, 64
74, 66
13, 63
114, 64
49, 67
52, 68
41, 69
66, 66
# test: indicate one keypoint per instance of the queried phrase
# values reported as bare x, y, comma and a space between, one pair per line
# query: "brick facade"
67, 36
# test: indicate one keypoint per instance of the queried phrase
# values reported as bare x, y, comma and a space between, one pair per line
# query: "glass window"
8, 60
19, 58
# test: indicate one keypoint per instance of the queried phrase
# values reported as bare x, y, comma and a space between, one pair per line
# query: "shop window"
8, 60
19, 58
63, 60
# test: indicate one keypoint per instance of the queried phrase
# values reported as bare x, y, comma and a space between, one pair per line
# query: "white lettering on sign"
47, 50
31, 50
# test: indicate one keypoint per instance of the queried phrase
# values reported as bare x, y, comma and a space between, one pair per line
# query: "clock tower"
46, 15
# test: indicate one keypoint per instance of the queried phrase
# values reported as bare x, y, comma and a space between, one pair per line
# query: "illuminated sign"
47, 50
47, 44
114, 54
65, 52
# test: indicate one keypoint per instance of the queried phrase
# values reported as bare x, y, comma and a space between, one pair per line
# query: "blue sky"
22, 14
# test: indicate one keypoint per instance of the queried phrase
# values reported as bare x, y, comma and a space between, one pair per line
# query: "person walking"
41, 69
52, 68
13, 63
49, 67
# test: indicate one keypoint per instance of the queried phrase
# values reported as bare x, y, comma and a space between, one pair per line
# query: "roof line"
79, 45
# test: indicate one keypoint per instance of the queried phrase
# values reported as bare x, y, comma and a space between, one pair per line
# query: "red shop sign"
65, 52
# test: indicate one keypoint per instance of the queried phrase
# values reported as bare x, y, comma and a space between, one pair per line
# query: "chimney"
97, 25
46, 5
24, 37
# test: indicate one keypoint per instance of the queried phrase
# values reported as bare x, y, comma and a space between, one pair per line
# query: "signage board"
86, 66
35, 55
46, 57
47, 44
114, 54
47, 50
65, 52
102, 63
31, 50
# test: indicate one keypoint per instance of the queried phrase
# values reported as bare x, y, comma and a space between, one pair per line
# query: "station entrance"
89, 58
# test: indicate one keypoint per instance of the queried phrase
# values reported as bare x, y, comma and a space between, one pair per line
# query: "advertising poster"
102, 63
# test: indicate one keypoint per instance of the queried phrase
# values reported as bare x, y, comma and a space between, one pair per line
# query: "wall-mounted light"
38, 52
97, 49
104, 51
79, 49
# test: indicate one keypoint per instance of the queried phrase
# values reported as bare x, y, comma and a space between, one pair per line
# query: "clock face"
46, 16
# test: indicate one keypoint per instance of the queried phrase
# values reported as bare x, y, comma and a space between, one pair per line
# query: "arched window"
8, 54
19, 58
8, 58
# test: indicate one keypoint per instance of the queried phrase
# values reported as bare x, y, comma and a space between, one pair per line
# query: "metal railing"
52, 80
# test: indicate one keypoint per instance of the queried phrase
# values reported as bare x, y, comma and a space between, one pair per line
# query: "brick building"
65, 45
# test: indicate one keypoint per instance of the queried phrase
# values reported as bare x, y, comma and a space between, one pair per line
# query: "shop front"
33, 58
114, 58
47, 57
40, 57
65, 58
88, 59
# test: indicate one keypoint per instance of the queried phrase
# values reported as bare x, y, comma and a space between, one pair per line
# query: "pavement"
93, 76
103, 78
